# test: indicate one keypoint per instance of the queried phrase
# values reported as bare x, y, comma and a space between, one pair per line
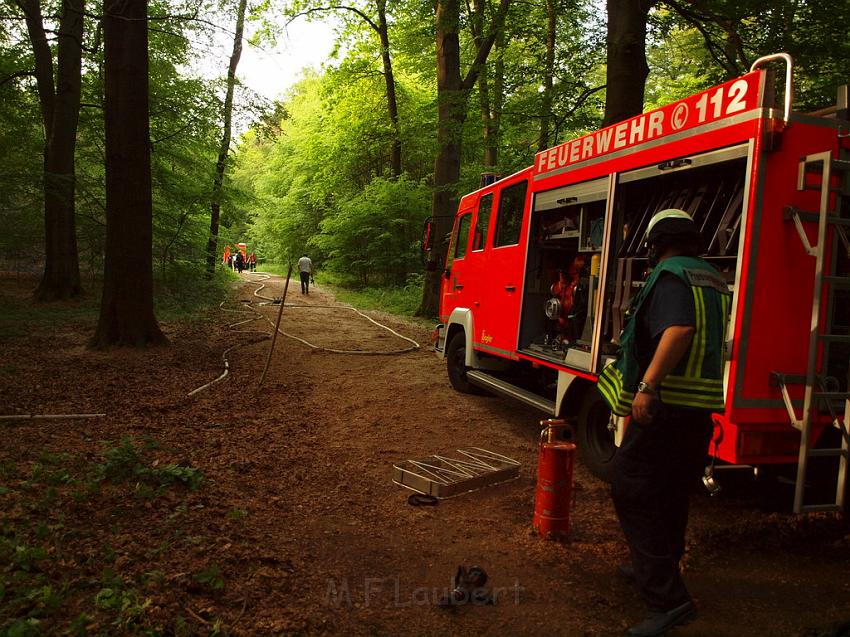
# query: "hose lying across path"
50, 416
259, 315
414, 345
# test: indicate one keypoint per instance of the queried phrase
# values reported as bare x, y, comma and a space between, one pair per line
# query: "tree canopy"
349, 162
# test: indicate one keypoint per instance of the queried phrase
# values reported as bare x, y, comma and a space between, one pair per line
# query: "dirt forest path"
298, 528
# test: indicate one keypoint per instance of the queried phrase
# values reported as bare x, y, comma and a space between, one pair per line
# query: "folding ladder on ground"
820, 391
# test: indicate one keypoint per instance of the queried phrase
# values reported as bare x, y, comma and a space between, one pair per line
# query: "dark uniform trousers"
655, 470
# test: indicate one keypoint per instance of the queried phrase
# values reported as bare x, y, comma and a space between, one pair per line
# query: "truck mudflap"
439, 337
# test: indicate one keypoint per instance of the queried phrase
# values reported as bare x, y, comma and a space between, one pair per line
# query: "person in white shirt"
305, 267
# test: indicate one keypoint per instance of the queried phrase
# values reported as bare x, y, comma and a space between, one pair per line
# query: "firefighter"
669, 377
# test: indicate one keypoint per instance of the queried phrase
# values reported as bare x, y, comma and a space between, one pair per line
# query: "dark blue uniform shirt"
671, 302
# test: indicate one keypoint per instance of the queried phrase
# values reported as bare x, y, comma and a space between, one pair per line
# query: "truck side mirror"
427, 234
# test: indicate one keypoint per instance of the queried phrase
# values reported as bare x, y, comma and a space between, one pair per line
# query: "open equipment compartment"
565, 243
564, 270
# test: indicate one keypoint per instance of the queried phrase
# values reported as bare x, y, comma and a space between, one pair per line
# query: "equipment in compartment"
558, 299
713, 195
561, 308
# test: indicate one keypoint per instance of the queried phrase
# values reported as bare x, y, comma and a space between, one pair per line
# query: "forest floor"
250, 510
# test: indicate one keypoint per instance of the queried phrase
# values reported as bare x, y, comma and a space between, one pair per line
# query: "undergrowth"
125, 463
56, 575
186, 290
181, 293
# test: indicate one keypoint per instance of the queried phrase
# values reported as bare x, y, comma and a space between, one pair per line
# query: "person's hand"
644, 407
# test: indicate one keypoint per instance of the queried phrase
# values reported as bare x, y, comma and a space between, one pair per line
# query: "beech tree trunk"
497, 101
452, 98
126, 311
548, 76
389, 79
224, 147
627, 68
489, 118
60, 108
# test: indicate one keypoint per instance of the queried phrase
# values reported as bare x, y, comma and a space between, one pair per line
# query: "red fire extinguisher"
553, 496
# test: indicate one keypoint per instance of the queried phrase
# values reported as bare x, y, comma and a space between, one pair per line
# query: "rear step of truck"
504, 388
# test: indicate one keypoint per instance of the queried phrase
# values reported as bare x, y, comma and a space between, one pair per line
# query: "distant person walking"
252, 260
240, 262
305, 267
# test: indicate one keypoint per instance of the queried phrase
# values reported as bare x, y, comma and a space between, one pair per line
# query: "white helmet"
670, 221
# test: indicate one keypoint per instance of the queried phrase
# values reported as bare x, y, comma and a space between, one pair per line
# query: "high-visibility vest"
697, 380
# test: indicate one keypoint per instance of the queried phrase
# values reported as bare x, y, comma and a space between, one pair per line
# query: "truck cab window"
479, 238
460, 240
509, 221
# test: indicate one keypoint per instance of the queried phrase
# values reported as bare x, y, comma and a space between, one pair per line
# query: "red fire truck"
541, 266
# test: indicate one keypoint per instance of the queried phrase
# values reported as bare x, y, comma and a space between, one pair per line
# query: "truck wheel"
596, 446
456, 364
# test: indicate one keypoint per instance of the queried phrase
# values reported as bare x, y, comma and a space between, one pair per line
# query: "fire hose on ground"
259, 315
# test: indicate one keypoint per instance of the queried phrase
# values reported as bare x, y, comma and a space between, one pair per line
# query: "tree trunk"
224, 148
43, 64
627, 68
126, 311
497, 101
548, 76
60, 108
452, 97
389, 78
487, 119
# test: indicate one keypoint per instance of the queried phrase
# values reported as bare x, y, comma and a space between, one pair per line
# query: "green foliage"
210, 578
186, 291
28, 558
27, 595
30, 627
21, 147
237, 514
121, 463
678, 68
126, 603
719, 40
375, 234
318, 172
184, 128
403, 300
79, 626
125, 463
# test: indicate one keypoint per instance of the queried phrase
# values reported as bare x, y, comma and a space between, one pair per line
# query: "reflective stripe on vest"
610, 385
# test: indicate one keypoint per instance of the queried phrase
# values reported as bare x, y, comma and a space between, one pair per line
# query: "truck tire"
456, 364
596, 446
